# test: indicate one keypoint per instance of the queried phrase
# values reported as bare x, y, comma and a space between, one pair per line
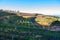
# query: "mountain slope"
46, 20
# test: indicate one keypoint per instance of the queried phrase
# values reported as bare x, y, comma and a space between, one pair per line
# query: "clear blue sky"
36, 6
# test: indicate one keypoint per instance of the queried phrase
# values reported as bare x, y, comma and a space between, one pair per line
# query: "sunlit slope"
46, 20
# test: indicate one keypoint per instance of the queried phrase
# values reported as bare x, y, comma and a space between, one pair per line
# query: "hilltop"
46, 20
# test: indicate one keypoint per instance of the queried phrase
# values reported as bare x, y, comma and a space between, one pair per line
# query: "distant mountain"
57, 15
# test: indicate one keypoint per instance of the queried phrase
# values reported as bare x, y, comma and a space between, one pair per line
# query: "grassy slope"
45, 19
14, 22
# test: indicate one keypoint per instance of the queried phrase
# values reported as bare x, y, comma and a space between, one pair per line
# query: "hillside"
30, 27
41, 19
46, 20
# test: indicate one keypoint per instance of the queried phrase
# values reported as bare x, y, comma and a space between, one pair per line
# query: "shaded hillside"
8, 19
55, 26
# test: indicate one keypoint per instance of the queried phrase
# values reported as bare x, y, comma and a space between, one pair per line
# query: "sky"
48, 7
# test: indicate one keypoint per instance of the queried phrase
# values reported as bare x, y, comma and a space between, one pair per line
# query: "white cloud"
46, 10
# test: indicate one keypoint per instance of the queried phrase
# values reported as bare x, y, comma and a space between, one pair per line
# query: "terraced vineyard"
13, 27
